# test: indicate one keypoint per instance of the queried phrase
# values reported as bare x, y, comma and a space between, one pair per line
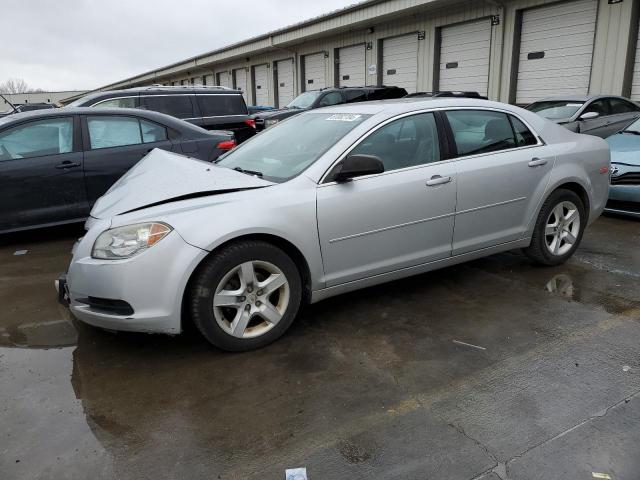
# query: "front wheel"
245, 296
559, 228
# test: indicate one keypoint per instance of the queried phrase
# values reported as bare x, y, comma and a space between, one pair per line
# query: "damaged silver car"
327, 202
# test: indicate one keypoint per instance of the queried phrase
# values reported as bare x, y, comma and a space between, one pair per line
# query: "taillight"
226, 144
251, 122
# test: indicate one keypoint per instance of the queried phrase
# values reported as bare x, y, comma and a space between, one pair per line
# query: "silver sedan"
327, 202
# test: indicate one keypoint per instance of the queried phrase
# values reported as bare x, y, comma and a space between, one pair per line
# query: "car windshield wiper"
632, 132
248, 172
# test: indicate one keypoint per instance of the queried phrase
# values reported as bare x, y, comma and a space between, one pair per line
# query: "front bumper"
152, 283
624, 199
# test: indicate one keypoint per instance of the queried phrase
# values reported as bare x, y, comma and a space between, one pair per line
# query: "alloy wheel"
251, 299
562, 228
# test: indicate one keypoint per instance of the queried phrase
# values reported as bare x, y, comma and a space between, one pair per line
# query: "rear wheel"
558, 229
245, 296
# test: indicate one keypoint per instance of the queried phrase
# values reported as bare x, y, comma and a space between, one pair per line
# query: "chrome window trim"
341, 157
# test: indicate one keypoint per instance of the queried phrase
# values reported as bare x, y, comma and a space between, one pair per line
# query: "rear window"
179, 106
221, 105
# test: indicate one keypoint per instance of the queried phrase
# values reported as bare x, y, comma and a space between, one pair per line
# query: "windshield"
633, 128
305, 100
556, 109
285, 150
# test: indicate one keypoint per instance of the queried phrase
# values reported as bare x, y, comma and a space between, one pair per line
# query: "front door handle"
67, 164
537, 162
437, 180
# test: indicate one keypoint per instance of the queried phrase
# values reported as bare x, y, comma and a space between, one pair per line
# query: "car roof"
399, 105
578, 98
56, 112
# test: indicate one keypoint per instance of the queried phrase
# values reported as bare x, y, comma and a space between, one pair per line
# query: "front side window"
355, 96
622, 106
556, 109
598, 106
106, 131
179, 106
405, 142
221, 105
285, 150
480, 131
333, 98
129, 102
36, 139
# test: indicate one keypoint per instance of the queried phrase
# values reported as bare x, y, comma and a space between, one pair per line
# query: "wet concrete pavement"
370, 385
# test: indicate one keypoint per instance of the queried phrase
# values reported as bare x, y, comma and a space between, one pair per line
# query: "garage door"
635, 82
314, 71
208, 79
240, 79
284, 73
352, 69
223, 79
400, 62
556, 48
464, 57
261, 85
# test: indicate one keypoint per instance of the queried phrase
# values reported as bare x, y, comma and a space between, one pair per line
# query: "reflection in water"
561, 285
44, 334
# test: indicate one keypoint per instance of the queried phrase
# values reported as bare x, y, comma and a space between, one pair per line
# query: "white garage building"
510, 50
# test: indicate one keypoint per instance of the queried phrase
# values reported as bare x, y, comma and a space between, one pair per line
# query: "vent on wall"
391, 72
345, 77
452, 65
535, 55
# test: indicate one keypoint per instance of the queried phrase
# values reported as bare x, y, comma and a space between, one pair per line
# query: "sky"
84, 44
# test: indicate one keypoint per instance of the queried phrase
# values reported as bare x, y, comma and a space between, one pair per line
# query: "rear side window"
129, 102
221, 105
36, 139
524, 137
621, 106
179, 106
480, 131
152, 132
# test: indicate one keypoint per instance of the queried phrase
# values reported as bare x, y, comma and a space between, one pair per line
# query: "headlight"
125, 242
270, 122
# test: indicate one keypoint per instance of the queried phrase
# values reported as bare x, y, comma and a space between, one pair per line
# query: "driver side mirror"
589, 116
358, 165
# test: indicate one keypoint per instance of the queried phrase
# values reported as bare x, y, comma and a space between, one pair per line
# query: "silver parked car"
624, 193
599, 115
326, 202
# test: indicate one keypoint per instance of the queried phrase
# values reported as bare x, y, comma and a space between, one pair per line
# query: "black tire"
212, 271
537, 250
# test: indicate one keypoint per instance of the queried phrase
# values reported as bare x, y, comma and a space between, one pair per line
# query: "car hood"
162, 177
625, 148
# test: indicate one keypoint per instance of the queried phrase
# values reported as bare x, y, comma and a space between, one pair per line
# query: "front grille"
108, 305
625, 206
631, 178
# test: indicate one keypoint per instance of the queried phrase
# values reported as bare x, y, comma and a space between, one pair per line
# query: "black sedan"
54, 164
599, 115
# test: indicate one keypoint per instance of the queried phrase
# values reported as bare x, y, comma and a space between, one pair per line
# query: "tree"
15, 85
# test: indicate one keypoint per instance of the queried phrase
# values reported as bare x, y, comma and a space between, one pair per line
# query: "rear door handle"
537, 162
67, 164
437, 180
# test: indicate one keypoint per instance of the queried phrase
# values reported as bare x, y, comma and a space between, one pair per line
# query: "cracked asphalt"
369, 385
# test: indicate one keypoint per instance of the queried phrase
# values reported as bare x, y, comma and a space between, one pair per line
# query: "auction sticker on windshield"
344, 117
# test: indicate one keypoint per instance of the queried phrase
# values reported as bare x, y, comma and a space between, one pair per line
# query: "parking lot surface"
493, 369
